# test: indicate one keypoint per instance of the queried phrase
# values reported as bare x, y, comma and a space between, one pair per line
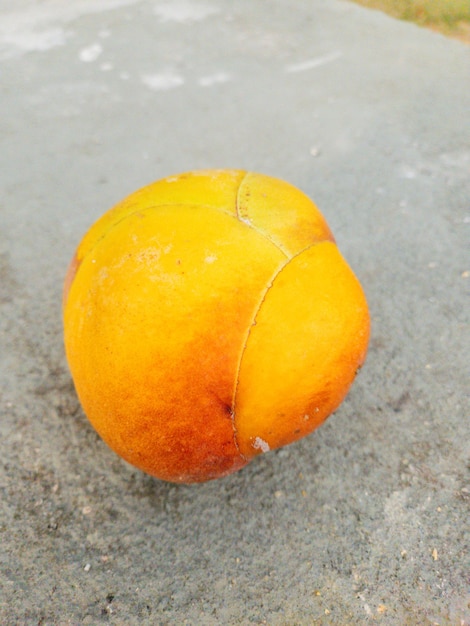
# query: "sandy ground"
366, 520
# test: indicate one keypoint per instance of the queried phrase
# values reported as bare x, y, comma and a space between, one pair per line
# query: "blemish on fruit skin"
260, 444
210, 258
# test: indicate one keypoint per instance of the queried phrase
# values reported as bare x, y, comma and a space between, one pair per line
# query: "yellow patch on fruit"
208, 318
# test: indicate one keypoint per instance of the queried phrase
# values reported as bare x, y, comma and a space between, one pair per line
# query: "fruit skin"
208, 318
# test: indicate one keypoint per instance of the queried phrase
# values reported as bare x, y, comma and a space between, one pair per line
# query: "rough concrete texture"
366, 520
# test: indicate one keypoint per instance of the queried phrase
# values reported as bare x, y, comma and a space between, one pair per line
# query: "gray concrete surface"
366, 520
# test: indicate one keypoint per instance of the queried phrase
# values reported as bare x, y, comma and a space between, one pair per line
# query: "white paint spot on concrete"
163, 81
409, 173
214, 79
90, 53
182, 11
260, 444
367, 608
313, 63
106, 67
18, 37
40, 26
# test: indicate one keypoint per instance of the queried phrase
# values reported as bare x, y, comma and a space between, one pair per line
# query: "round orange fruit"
208, 318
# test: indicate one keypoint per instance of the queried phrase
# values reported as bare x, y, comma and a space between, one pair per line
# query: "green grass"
450, 17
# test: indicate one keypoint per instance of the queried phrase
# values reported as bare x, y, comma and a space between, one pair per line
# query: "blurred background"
450, 17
